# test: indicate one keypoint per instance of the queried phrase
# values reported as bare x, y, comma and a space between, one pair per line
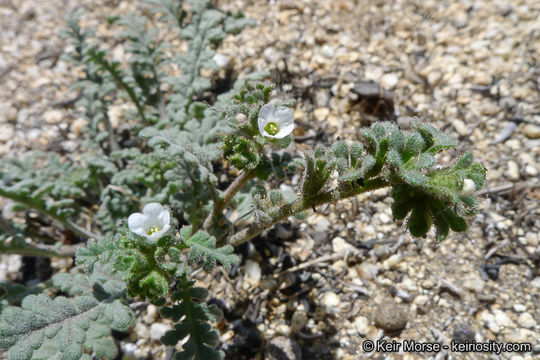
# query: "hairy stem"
302, 204
41, 209
119, 81
220, 204
21, 248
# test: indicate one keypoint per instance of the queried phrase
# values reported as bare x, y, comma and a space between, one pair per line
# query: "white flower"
275, 122
469, 187
152, 223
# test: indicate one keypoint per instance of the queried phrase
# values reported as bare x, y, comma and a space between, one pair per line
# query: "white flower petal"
153, 209
153, 216
284, 131
136, 223
267, 111
164, 219
283, 116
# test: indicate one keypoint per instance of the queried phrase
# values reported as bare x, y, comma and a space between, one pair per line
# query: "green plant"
170, 155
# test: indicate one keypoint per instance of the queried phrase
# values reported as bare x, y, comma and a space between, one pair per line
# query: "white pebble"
513, 171
341, 247
526, 320
157, 330
502, 319
330, 300
253, 272
362, 325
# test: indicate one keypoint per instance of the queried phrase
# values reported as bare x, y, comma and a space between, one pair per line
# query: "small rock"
502, 319
253, 272
322, 98
6, 132
513, 171
421, 300
390, 316
53, 116
519, 308
517, 336
536, 282
463, 333
298, 320
327, 51
11, 113
460, 127
393, 261
282, 348
341, 247
482, 78
489, 320
389, 81
128, 350
221, 60
530, 170
157, 330
330, 300
78, 125
368, 271
532, 131
151, 315
526, 320
321, 113
362, 325
474, 283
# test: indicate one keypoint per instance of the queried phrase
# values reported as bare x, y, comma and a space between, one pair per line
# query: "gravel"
468, 67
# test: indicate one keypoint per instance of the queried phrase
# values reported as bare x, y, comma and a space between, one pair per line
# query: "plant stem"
21, 248
42, 210
219, 205
119, 81
302, 204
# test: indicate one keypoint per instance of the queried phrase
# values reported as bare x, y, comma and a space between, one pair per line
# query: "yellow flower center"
153, 230
272, 128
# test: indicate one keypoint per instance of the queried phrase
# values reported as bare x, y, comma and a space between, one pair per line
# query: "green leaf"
194, 316
435, 140
202, 247
66, 327
420, 221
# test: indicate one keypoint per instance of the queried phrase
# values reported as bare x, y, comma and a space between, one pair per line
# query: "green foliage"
432, 196
202, 247
68, 327
194, 316
243, 145
320, 164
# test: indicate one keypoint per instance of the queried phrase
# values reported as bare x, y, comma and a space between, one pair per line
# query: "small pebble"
390, 316
362, 325
253, 272
389, 81
330, 300
282, 348
321, 113
502, 319
526, 320
513, 171
460, 127
532, 131
341, 247
53, 116
157, 330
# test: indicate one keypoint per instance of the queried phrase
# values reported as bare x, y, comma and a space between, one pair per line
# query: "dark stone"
463, 333
282, 348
